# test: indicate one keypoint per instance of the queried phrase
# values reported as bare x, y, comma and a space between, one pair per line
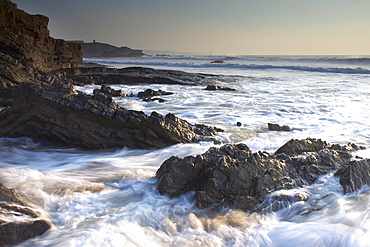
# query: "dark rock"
233, 176
218, 61
214, 88
110, 92
276, 127
54, 113
238, 124
295, 147
354, 174
150, 93
15, 231
160, 100
204, 130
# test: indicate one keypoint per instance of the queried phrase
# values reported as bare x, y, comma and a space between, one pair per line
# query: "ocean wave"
233, 63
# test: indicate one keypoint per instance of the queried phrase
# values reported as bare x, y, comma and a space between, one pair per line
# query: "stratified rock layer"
54, 113
27, 50
235, 177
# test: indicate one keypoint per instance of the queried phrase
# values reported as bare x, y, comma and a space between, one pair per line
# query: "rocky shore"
37, 79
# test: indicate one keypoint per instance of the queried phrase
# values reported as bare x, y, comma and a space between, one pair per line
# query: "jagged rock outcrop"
55, 113
354, 175
29, 223
27, 38
110, 92
26, 50
235, 177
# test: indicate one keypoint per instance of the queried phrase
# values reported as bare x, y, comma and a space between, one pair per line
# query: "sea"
109, 197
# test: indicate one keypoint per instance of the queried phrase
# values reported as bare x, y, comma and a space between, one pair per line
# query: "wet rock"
233, 176
354, 174
295, 147
110, 92
18, 221
276, 127
160, 100
204, 130
214, 88
148, 95
151, 93
54, 113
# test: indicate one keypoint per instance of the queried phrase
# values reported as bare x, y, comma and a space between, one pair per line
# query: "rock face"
54, 113
354, 175
235, 177
27, 38
97, 49
26, 50
28, 224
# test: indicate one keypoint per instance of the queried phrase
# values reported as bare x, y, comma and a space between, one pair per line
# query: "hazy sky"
228, 27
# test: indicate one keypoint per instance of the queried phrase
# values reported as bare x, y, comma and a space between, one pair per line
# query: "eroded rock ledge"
233, 176
138, 75
55, 113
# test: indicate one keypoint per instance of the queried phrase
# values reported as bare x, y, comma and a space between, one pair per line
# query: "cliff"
27, 38
97, 49
27, 50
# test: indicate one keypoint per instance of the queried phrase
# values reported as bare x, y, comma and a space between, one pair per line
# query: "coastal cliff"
27, 50
27, 38
97, 49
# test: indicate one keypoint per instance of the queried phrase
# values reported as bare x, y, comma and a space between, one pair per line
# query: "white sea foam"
109, 198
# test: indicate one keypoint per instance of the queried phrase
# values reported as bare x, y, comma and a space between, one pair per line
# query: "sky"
223, 27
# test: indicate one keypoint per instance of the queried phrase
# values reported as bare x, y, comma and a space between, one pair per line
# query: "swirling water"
109, 197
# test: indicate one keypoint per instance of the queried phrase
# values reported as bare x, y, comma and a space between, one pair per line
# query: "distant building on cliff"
97, 49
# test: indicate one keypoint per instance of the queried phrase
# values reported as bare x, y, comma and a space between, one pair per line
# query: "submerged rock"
151, 93
276, 127
235, 177
54, 113
148, 95
18, 221
214, 88
205, 130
